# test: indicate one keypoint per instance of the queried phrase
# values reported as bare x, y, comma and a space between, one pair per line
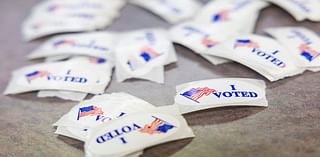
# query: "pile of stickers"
78, 64
111, 125
59, 16
222, 31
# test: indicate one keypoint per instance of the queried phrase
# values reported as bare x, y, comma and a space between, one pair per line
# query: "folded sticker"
143, 54
171, 11
96, 44
200, 95
120, 136
51, 17
262, 54
98, 110
79, 74
304, 45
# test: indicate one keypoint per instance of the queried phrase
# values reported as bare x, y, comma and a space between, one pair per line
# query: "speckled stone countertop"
289, 127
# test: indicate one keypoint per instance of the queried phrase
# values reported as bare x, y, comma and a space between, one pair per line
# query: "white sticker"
51, 17
120, 136
262, 54
171, 11
96, 44
143, 54
88, 75
214, 93
304, 45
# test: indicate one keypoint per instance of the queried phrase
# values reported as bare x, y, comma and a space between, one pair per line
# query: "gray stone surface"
290, 126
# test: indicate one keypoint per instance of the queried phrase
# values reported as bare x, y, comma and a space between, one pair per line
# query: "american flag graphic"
97, 60
308, 53
208, 42
147, 53
246, 43
63, 42
89, 111
157, 126
36, 74
196, 93
221, 16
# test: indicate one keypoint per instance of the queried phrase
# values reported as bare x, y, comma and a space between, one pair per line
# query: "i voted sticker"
302, 43
213, 93
97, 44
264, 55
120, 136
51, 17
78, 74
